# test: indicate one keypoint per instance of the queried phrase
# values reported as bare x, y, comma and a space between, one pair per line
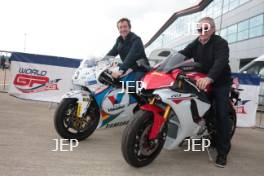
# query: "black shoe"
220, 161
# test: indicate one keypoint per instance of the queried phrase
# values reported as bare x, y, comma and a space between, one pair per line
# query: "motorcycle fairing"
105, 95
156, 80
184, 114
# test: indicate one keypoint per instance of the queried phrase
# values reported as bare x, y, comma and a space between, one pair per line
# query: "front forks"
166, 111
158, 119
82, 107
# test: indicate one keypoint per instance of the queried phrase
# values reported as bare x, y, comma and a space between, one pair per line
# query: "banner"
39, 77
247, 107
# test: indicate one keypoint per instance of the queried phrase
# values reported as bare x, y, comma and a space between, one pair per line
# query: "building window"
233, 4
246, 29
256, 26
223, 33
217, 8
225, 6
242, 30
232, 33
253, 27
243, 1
209, 11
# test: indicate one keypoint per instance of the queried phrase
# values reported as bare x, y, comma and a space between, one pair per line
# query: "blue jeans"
131, 80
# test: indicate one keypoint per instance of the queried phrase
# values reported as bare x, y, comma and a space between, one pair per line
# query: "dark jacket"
214, 58
130, 50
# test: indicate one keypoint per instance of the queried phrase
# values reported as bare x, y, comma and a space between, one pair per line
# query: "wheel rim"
75, 124
143, 147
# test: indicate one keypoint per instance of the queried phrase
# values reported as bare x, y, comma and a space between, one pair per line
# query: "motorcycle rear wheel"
212, 124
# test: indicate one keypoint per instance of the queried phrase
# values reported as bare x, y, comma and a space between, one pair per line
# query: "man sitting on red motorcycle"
212, 52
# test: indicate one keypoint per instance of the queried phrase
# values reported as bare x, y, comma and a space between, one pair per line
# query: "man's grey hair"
209, 20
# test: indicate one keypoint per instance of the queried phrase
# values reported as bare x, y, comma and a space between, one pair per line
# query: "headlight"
76, 75
76, 87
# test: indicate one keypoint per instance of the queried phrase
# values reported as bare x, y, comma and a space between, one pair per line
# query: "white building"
240, 22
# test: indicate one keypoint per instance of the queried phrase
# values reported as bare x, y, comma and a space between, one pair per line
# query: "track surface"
26, 133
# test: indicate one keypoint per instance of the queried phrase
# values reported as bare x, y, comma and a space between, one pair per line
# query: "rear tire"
137, 129
212, 124
63, 123
233, 121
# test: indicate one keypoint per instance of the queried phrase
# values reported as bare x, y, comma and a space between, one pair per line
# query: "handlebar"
108, 72
142, 63
191, 88
191, 82
234, 93
107, 78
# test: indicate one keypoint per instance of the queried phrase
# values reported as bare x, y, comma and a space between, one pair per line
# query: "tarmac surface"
26, 144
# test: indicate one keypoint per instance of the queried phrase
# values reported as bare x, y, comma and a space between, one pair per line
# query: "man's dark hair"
122, 20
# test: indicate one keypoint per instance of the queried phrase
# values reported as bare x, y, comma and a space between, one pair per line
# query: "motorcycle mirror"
141, 62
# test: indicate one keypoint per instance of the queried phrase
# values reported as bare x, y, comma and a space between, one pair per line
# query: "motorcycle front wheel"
137, 149
68, 126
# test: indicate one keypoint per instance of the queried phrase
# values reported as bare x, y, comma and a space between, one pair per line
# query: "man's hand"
203, 82
117, 74
114, 64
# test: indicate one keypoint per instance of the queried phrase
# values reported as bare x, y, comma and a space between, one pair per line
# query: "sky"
78, 28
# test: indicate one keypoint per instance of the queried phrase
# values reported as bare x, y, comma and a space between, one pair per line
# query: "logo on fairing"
115, 102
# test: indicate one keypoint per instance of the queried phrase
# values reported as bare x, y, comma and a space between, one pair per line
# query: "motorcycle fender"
83, 100
77, 94
158, 120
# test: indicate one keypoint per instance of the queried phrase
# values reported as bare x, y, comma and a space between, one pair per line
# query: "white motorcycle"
177, 110
97, 101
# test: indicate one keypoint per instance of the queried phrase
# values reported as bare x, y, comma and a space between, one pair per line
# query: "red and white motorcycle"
177, 110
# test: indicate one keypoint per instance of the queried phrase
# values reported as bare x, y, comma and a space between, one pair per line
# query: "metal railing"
5, 74
5, 79
260, 110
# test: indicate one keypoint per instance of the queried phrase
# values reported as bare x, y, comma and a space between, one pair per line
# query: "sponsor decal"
178, 97
33, 80
112, 125
115, 102
235, 83
240, 108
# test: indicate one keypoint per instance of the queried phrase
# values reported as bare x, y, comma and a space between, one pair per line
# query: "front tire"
137, 149
69, 126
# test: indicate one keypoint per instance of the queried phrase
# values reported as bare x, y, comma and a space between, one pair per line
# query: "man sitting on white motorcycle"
130, 49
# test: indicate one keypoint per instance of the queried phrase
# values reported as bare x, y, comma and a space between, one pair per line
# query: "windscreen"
171, 62
87, 63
